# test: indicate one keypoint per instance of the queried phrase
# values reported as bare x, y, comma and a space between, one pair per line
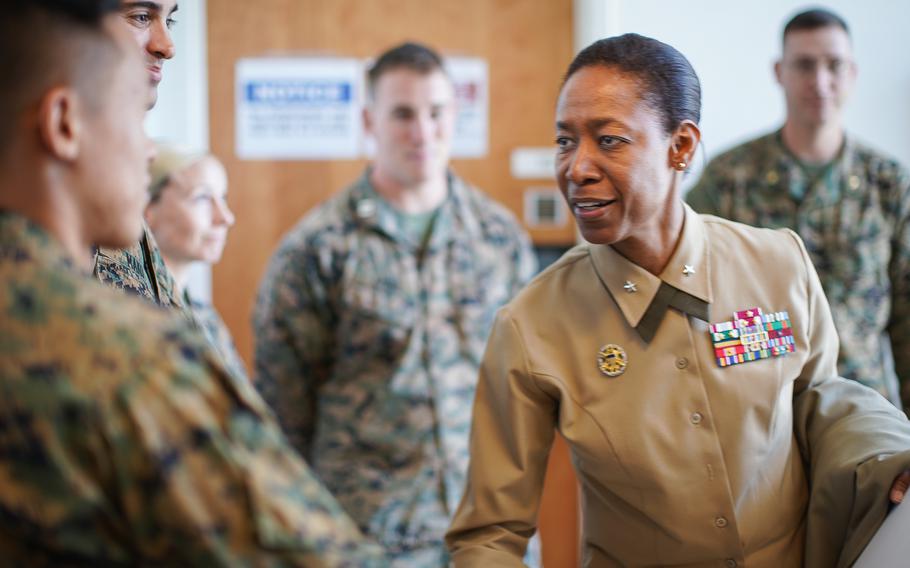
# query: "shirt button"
730, 563
682, 363
720, 522
696, 418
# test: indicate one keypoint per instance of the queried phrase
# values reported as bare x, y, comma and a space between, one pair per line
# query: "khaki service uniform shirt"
681, 462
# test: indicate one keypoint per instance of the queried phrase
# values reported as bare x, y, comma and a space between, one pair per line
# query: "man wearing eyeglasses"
849, 203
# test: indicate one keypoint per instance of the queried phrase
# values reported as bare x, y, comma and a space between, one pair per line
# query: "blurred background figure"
374, 313
847, 200
190, 218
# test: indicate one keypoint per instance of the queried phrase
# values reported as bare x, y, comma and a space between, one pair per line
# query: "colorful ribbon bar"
752, 335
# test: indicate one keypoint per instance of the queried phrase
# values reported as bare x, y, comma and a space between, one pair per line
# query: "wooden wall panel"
527, 43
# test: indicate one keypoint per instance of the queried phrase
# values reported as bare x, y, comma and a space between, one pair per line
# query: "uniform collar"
633, 288
838, 175
847, 146
454, 219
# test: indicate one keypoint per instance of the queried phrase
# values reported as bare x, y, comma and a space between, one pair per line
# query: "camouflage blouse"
368, 344
124, 442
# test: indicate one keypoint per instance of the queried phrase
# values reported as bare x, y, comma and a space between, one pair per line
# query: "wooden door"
527, 44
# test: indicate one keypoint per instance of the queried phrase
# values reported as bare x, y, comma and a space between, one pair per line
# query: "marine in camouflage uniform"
124, 443
139, 270
215, 331
368, 344
854, 216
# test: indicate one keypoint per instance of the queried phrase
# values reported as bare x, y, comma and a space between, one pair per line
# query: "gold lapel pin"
612, 360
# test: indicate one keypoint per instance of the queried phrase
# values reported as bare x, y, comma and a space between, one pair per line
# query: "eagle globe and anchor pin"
612, 360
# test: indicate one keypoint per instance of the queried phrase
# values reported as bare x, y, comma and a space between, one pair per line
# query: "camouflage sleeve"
206, 478
899, 273
525, 262
292, 326
704, 197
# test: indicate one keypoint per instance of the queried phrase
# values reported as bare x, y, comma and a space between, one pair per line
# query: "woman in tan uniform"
688, 361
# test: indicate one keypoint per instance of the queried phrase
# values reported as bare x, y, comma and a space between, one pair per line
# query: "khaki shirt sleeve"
512, 431
852, 439
821, 364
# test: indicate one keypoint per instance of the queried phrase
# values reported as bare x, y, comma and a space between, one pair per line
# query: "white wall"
181, 116
733, 45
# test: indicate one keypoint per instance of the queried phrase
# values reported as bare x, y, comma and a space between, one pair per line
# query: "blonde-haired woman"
190, 218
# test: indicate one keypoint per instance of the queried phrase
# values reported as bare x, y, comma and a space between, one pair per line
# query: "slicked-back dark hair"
668, 81
409, 55
43, 42
814, 19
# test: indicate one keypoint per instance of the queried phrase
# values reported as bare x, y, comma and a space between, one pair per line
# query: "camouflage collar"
453, 222
798, 181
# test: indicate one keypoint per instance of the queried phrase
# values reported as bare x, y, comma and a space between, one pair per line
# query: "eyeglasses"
811, 65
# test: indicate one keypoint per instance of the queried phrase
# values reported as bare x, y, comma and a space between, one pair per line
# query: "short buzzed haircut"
413, 56
813, 20
44, 43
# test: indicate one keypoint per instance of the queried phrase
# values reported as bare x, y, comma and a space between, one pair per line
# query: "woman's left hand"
899, 487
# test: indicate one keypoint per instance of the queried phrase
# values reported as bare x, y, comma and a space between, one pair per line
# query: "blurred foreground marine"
123, 442
849, 203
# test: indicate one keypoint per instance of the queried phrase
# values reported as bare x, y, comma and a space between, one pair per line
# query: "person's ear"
60, 122
853, 71
683, 143
778, 69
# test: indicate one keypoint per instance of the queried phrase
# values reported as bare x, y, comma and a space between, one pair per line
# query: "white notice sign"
472, 97
298, 108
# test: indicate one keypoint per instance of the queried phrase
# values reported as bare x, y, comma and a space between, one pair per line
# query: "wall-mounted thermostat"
544, 207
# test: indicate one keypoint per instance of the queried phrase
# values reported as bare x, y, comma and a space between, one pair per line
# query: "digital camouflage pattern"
215, 332
854, 217
368, 347
124, 443
139, 270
